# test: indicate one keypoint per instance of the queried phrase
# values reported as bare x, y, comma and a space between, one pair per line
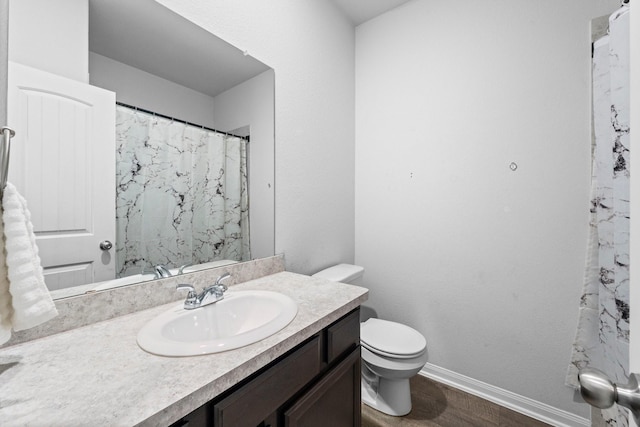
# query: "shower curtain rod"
133, 107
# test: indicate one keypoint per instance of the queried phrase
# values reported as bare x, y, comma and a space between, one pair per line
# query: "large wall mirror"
144, 144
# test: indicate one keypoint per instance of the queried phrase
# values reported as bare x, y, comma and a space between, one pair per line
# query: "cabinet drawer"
257, 399
343, 336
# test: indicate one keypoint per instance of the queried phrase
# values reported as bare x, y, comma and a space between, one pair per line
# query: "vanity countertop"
97, 374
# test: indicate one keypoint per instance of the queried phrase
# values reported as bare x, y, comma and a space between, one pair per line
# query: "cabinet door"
334, 401
260, 397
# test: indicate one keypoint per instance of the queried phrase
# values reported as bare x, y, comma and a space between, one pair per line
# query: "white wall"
252, 103
141, 89
4, 57
486, 262
310, 45
66, 54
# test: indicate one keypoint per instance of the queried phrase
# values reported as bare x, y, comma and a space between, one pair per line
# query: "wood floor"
438, 405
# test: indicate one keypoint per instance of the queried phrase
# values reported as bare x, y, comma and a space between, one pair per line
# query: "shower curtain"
181, 194
602, 337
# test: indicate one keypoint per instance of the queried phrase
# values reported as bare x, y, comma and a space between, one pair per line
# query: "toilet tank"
345, 273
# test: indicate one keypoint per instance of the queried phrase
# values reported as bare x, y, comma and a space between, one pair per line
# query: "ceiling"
359, 11
146, 35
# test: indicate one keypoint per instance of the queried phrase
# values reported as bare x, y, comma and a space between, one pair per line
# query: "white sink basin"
241, 318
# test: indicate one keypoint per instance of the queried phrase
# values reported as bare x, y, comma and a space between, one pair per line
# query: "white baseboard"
513, 401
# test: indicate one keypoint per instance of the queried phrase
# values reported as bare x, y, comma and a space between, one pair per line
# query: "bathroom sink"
240, 319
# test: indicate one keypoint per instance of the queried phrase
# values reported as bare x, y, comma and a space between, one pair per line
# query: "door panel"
63, 163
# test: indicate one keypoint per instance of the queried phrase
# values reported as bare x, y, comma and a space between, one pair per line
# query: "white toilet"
392, 353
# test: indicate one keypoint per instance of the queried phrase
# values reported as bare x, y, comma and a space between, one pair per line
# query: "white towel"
30, 298
6, 310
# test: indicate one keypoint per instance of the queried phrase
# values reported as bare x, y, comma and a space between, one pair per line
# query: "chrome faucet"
208, 296
161, 271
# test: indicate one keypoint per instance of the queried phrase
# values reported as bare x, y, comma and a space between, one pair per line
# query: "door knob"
599, 391
106, 245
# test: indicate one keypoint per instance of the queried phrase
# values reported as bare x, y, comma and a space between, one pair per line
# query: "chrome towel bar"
5, 152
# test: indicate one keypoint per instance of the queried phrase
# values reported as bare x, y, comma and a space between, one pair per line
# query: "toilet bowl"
391, 353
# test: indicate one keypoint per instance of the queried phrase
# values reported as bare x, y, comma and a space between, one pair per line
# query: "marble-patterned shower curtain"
602, 337
181, 194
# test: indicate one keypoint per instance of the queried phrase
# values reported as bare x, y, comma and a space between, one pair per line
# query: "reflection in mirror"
181, 194
160, 184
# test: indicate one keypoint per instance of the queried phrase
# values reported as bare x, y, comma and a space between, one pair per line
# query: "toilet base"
392, 397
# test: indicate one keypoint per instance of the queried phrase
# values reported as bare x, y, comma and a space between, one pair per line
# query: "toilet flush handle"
599, 391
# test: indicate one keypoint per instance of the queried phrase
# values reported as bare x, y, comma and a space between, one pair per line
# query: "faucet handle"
182, 267
161, 271
219, 283
185, 286
192, 296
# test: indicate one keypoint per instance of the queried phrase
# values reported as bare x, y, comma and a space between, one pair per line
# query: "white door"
63, 163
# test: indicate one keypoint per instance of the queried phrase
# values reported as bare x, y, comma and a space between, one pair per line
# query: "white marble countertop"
97, 374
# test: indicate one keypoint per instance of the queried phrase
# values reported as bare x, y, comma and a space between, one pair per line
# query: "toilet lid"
391, 339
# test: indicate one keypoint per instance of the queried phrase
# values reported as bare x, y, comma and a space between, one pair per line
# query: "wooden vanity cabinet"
315, 384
